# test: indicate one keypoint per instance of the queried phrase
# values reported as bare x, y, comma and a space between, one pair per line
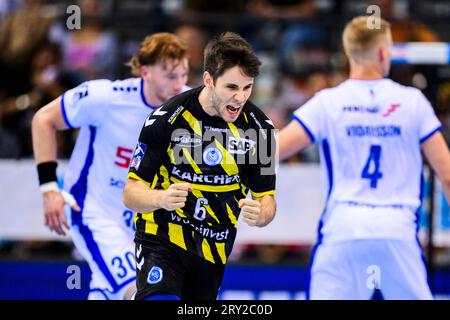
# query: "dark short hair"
227, 51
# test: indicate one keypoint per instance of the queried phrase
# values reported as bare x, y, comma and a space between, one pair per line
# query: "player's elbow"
41, 119
126, 195
445, 180
129, 194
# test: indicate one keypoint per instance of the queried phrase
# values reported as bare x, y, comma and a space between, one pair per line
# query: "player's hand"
54, 202
175, 196
251, 212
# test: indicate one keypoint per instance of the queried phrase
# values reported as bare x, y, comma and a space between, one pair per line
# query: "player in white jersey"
372, 131
110, 115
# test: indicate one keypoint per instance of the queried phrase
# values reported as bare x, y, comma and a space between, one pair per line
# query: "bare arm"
437, 153
258, 211
292, 139
140, 198
45, 123
44, 126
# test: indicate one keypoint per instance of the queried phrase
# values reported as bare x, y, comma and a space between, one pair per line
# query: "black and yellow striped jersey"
222, 161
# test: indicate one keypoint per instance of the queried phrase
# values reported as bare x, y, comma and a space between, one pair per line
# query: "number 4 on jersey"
372, 172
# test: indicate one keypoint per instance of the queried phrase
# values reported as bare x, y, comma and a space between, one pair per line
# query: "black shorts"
168, 269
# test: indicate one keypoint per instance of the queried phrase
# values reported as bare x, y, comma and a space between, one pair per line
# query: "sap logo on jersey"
138, 155
155, 275
240, 145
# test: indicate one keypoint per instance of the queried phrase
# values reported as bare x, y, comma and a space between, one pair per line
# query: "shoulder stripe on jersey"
245, 117
176, 116
234, 130
430, 134
262, 194
193, 122
143, 96
63, 109
311, 136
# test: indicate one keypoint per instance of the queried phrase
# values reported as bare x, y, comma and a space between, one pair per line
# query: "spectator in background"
47, 82
92, 50
22, 32
195, 38
282, 9
404, 28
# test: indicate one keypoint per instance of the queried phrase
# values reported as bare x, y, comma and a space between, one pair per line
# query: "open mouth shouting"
233, 110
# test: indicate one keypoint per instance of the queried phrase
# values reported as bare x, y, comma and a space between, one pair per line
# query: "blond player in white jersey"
110, 115
372, 131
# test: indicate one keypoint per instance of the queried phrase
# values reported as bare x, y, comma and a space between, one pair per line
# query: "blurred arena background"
43, 53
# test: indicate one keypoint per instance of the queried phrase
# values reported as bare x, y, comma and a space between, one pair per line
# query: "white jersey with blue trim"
110, 115
371, 133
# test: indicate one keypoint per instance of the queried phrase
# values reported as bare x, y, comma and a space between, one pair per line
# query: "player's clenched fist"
251, 211
175, 196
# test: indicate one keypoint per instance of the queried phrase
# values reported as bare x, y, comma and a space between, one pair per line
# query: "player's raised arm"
46, 122
437, 153
292, 139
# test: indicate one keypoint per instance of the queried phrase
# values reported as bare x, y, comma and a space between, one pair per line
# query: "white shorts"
108, 247
354, 269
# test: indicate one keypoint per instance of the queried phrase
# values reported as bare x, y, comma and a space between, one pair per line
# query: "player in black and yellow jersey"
197, 158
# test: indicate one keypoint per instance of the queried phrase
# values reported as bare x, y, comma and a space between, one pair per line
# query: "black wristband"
47, 172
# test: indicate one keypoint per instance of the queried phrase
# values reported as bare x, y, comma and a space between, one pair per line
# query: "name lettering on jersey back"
206, 178
356, 108
374, 131
203, 230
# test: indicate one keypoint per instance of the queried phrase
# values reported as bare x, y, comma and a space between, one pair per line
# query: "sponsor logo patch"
155, 275
187, 140
212, 156
240, 145
138, 155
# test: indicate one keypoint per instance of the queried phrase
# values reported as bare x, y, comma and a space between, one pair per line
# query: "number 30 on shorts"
124, 264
